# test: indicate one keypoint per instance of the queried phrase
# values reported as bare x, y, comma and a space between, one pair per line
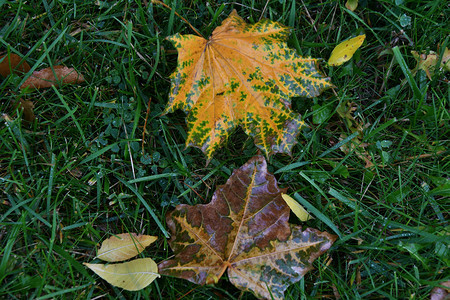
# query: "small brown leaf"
10, 63
48, 77
124, 246
27, 107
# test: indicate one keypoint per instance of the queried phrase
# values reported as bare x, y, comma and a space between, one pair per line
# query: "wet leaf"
124, 246
10, 63
345, 50
296, 208
48, 77
243, 75
131, 276
428, 62
27, 108
245, 230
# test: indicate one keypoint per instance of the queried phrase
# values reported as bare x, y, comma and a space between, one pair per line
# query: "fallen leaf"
345, 50
296, 208
351, 4
243, 229
10, 63
428, 62
439, 293
27, 108
359, 148
345, 111
48, 77
243, 75
124, 246
131, 276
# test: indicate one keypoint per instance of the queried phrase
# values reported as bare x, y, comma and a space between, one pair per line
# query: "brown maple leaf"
243, 75
243, 229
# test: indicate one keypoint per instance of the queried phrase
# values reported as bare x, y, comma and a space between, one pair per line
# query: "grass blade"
310, 208
149, 209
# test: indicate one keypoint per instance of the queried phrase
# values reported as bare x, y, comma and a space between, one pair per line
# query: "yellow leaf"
131, 276
124, 246
345, 50
351, 4
296, 208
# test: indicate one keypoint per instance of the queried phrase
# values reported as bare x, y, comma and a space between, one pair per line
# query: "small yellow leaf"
124, 246
131, 276
296, 208
345, 50
351, 4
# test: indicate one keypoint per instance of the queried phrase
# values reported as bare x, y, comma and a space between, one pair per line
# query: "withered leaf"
243, 75
243, 229
428, 62
48, 77
11, 63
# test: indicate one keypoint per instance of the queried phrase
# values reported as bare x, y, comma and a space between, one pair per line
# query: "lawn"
372, 166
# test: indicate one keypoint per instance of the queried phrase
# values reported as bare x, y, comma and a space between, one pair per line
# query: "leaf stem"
181, 17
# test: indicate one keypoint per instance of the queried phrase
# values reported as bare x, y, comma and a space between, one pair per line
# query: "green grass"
81, 172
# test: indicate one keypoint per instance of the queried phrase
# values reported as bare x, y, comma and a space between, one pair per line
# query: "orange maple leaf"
243, 75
